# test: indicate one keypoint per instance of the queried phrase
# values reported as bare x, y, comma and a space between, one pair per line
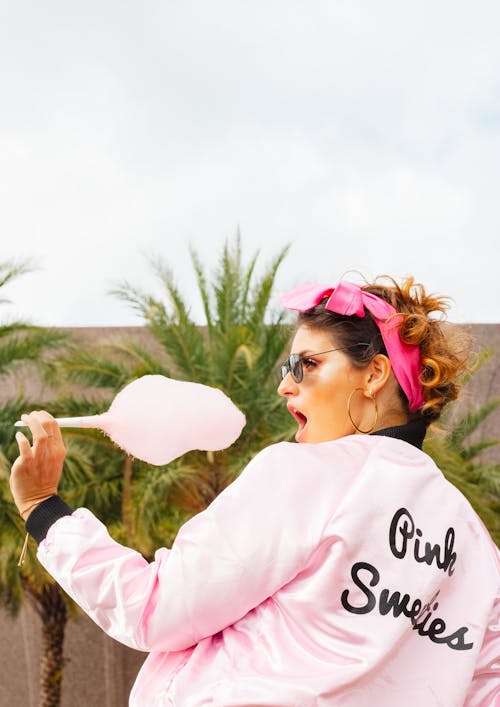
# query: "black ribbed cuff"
44, 515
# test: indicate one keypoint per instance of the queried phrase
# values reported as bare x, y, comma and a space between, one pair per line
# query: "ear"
377, 373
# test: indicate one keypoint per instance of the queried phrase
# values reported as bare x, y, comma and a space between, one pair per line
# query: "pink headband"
349, 299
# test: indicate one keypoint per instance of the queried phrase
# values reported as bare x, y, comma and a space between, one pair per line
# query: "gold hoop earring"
372, 397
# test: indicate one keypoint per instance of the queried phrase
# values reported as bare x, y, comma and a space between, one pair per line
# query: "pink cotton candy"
157, 419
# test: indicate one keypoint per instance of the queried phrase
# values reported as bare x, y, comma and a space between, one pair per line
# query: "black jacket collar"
413, 432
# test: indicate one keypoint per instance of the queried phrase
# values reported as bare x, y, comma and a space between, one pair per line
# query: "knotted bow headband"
348, 299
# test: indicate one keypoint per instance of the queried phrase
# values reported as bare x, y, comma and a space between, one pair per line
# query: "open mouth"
301, 420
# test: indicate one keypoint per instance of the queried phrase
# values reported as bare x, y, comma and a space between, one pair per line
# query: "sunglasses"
293, 363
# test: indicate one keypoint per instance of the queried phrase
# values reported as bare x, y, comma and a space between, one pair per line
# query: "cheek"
331, 397
338, 381
333, 391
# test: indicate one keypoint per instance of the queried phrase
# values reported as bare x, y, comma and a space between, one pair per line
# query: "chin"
301, 435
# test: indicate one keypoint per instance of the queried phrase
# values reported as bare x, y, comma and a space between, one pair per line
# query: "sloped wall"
99, 671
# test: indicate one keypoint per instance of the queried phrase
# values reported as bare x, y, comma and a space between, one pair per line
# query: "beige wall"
98, 672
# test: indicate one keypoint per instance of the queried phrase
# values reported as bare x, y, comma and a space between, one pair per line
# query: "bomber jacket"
345, 573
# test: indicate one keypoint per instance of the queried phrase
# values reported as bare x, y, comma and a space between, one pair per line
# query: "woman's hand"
36, 472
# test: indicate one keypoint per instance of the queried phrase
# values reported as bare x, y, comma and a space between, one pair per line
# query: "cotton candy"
158, 419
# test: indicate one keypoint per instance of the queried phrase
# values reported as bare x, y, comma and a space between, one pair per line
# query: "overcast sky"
366, 134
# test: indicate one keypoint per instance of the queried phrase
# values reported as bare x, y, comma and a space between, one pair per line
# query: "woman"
343, 570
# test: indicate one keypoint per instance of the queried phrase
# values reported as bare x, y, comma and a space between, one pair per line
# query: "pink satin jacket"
345, 573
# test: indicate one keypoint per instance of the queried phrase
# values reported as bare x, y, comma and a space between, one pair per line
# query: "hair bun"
445, 348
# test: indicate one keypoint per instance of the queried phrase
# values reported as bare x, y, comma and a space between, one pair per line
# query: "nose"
288, 386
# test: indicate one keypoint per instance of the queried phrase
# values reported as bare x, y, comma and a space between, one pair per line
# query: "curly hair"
445, 348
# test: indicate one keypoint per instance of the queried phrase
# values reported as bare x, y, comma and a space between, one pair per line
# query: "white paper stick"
86, 421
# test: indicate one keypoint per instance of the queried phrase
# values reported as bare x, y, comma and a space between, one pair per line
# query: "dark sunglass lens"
293, 365
296, 367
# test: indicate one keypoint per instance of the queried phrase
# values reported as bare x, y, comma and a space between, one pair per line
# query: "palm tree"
237, 350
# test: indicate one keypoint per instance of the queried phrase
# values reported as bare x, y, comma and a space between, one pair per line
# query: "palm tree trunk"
51, 608
127, 516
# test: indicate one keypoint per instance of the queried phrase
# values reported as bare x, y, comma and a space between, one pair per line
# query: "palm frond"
481, 357
9, 328
473, 450
246, 291
263, 290
488, 477
144, 304
180, 308
138, 361
88, 367
228, 285
177, 332
469, 422
202, 287
12, 269
28, 345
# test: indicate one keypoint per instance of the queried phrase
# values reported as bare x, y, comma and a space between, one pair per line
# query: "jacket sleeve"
253, 539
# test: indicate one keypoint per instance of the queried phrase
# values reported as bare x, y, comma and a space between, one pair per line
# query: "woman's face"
319, 401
